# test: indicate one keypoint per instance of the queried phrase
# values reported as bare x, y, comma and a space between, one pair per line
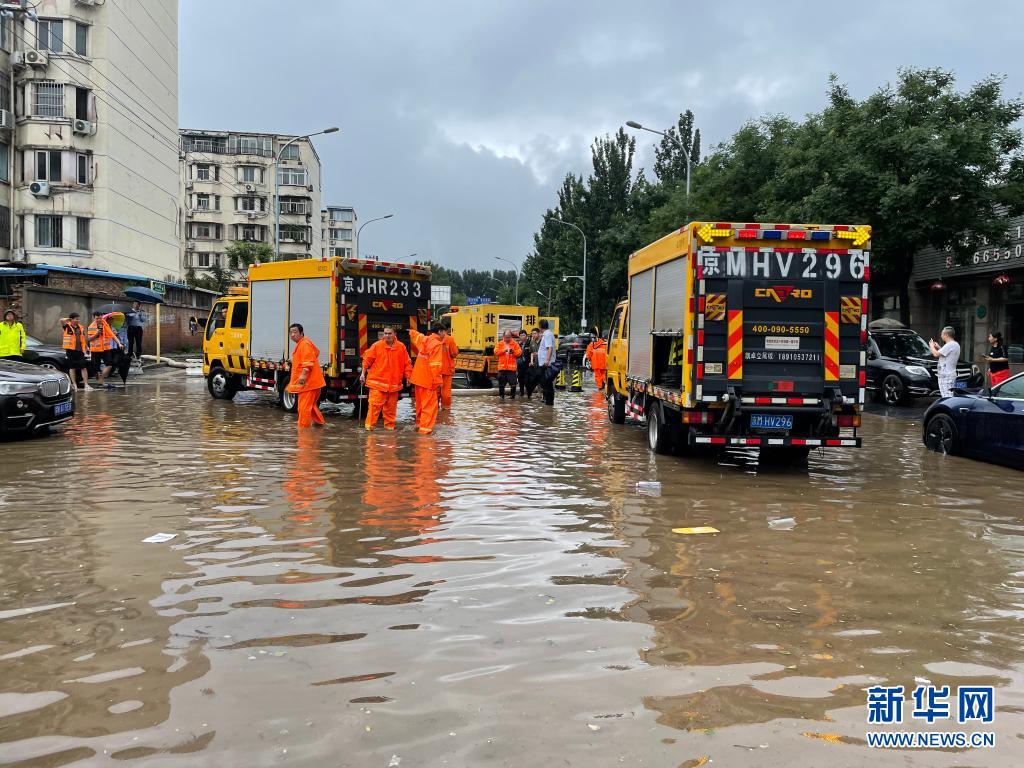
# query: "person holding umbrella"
135, 319
102, 342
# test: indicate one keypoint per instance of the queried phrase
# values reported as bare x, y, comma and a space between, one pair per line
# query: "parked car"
987, 426
33, 399
901, 367
572, 347
44, 355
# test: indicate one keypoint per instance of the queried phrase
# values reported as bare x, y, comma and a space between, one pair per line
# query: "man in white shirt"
949, 355
545, 357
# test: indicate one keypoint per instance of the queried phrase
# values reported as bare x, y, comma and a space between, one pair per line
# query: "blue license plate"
960, 385
770, 421
61, 408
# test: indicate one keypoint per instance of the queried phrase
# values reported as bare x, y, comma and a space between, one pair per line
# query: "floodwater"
494, 595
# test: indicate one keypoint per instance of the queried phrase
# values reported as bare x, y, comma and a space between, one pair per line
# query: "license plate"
770, 421
61, 408
960, 385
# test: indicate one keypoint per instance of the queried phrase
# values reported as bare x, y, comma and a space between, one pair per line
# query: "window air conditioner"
40, 188
36, 58
5, 119
252, 215
82, 127
249, 187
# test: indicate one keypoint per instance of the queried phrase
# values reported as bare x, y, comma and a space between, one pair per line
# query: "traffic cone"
560, 380
577, 380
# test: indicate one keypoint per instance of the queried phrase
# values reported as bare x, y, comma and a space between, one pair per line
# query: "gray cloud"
463, 117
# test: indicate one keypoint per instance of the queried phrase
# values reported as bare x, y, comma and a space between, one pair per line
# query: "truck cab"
226, 333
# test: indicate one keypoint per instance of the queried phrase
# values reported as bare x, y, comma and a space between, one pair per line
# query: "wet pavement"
494, 595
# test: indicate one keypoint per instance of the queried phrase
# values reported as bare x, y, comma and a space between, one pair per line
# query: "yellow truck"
476, 328
744, 335
342, 304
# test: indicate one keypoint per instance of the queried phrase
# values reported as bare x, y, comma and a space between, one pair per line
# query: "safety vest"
105, 339
12, 339
508, 355
597, 354
74, 337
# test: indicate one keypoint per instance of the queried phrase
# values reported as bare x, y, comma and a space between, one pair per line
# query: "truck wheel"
221, 385
289, 401
659, 434
616, 408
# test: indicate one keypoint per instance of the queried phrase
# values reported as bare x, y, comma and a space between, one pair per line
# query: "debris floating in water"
699, 529
159, 538
782, 524
648, 488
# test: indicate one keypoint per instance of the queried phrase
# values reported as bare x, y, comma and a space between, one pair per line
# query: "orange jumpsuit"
385, 368
426, 376
597, 354
306, 356
450, 352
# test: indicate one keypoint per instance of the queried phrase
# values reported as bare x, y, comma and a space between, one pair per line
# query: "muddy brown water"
497, 594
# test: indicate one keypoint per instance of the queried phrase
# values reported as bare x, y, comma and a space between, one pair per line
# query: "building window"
81, 39
341, 234
215, 144
50, 35
49, 232
294, 233
250, 204
342, 215
207, 260
82, 225
251, 174
5, 227
81, 103
203, 202
343, 252
5, 41
250, 145
294, 205
206, 172
83, 168
5, 94
291, 152
250, 233
293, 176
47, 99
48, 165
5, 162
204, 231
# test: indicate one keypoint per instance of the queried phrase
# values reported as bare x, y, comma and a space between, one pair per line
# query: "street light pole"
514, 269
369, 221
583, 319
277, 185
636, 126
548, 297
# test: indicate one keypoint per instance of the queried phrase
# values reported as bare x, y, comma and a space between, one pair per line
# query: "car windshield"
32, 341
902, 345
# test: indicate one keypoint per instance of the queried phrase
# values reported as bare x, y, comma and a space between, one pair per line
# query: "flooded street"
494, 595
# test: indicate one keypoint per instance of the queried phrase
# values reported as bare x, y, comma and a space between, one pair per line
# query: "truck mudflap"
773, 442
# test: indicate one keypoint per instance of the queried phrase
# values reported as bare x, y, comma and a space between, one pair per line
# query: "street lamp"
277, 185
583, 277
502, 283
548, 297
369, 221
514, 269
636, 126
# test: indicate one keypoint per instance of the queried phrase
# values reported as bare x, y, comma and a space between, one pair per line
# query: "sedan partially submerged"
987, 426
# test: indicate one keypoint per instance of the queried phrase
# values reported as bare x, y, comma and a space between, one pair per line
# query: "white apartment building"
92, 163
228, 185
338, 231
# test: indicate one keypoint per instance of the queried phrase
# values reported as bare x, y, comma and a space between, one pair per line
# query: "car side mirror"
202, 322
986, 392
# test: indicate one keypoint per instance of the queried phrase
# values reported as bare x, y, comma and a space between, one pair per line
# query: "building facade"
337, 231
228, 186
91, 164
976, 295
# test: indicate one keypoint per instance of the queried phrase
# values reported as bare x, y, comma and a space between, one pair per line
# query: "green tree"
669, 159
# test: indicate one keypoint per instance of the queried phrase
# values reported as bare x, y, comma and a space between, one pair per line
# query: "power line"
142, 5
172, 67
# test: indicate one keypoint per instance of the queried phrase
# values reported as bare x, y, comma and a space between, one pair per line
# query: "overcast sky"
462, 118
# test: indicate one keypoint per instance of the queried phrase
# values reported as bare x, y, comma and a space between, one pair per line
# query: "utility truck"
476, 328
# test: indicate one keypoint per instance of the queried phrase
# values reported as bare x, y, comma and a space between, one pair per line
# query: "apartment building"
337, 231
91, 166
228, 185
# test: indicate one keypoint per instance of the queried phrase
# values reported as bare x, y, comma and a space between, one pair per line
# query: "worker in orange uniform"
426, 376
507, 352
597, 354
450, 352
385, 365
307, 378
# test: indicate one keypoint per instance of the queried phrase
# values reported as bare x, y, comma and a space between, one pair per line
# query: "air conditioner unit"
252, 215
20, 254
40, 188
82, 127
36, 58
249, 187
5, 119
190, 246
188, 185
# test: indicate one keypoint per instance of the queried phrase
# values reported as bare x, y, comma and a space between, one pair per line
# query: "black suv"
32, 398
572, 347
901, 367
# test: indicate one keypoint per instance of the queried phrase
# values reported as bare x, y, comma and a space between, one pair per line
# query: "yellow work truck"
342, 304
476, 328
744, 335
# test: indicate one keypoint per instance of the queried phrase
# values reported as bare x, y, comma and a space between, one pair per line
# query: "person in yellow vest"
75, 344
102, 343
12, 337
597, 354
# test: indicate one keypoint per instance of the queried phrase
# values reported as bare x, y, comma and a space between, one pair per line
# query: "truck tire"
616, 408
288, 401
221, 384
659, 433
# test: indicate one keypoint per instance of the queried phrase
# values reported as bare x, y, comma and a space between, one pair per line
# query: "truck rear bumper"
776, 442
